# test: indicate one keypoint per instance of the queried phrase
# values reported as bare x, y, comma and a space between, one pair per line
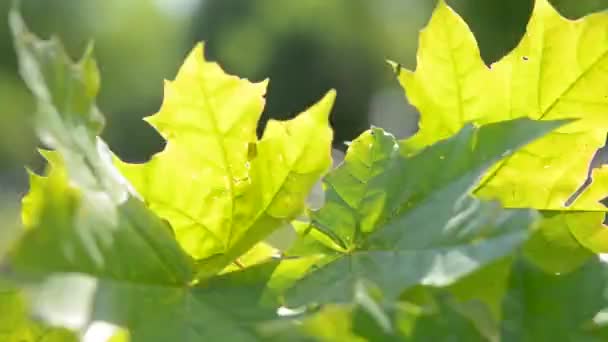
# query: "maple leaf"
399, 221
557, 71
221, 189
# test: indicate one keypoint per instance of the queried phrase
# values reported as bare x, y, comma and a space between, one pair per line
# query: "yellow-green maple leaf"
220, 188
559, 70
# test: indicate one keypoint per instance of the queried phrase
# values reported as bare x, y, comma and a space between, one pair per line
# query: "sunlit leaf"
557, 71
554, 248
221, 189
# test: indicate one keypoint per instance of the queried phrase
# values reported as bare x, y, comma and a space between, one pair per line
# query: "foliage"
476, 228
16, 326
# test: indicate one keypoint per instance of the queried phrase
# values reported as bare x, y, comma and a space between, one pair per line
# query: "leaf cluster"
486, 225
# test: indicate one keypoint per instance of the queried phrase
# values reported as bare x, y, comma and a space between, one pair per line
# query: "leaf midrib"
223, 152
264, 208
582, 75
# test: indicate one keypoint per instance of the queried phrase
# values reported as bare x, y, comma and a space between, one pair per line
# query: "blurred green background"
305, 47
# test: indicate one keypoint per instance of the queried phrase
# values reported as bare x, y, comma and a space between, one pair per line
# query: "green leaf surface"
479, 296
357, 192
75, 229
225, 307
332, 324
429, 229
221, 189
548, 307
553, 247
408, 322
534, 305
447, 324
468, 310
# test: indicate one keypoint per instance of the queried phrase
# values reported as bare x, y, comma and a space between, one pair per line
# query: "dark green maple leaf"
400, 221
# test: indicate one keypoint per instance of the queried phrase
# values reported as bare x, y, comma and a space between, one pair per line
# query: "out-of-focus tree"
307, 47
138, 43
304, 47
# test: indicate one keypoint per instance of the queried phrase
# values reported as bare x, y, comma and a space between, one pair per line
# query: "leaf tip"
264, 83
543, 5
397, 68
330, 96
52, 157
325, 105
89, 52
195, 57
442, 5
199, 49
